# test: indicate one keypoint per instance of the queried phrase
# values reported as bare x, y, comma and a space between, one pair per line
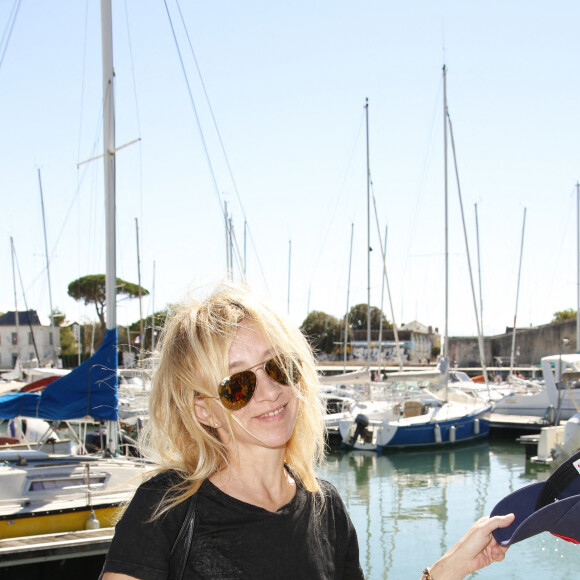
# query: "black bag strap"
182, 545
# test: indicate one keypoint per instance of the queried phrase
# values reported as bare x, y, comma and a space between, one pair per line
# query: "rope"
196, 115
230, 172
8, 33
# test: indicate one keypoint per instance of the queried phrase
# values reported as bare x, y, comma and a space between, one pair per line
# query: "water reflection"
409, 469
410, 507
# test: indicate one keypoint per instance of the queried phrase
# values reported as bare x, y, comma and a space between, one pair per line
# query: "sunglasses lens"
280, 374
236, 391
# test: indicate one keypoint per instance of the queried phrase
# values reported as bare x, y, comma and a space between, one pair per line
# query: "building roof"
388, 334
26, 318
415, 326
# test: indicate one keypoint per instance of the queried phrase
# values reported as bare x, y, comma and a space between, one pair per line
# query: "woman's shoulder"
158, 489
332, 498
144, 536
159, 483
327, 488
162, 480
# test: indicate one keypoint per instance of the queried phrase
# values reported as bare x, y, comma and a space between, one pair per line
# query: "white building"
26, 339
416, 342
420, 340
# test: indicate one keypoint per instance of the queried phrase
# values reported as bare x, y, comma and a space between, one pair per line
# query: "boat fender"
452, 433
550, 415
476, 426
437, 429
93, 522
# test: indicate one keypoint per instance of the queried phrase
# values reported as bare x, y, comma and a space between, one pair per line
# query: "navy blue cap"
548, 506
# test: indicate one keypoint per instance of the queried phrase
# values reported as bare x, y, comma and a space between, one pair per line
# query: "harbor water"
410, 507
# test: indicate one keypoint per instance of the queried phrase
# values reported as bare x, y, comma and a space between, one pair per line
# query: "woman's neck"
258, 480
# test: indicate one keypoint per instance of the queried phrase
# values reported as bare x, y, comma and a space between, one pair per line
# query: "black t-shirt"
234, 540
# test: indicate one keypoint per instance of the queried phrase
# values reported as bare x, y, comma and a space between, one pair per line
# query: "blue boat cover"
88, 390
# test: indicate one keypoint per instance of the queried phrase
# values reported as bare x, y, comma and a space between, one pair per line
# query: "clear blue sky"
287, 83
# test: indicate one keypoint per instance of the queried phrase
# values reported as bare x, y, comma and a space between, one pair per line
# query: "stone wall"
464, 351
531, 345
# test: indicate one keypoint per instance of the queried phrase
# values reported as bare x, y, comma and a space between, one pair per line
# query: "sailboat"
417, 414
46, 493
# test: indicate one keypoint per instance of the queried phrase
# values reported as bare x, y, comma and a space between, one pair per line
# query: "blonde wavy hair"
191, 362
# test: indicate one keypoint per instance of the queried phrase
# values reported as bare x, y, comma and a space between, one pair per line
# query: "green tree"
135, 330
68, 344
322, 331
564, 315
357, 318
91, 289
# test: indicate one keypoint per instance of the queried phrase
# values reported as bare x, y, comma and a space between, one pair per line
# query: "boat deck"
32, 549
529, 423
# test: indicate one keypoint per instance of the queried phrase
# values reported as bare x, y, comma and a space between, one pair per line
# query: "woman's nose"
266, 388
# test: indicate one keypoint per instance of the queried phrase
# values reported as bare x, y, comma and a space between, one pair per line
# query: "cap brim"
560, 517
521, 503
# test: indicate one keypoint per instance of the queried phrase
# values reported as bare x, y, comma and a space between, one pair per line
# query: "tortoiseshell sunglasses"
236, 391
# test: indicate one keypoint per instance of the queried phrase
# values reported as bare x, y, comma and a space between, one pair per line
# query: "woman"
247, 446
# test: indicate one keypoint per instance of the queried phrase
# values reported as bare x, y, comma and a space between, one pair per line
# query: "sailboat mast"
289, 272
368, 239
109, 158
153, 311
577, 267
386, 281
513, 353
446, 335
110, 211
229, 262
348, 297
141, 336
380, 341
12, 253
468, 255
52, 325
479, 272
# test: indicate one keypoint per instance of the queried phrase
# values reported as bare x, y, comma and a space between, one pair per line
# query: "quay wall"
532, 344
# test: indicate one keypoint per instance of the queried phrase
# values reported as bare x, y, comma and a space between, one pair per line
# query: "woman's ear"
204, 416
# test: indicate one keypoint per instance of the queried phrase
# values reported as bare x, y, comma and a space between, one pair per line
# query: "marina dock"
517, 423
35, 549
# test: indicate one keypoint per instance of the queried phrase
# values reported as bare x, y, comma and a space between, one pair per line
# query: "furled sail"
89, 390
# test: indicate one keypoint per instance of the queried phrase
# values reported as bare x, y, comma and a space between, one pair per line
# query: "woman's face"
269, 418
